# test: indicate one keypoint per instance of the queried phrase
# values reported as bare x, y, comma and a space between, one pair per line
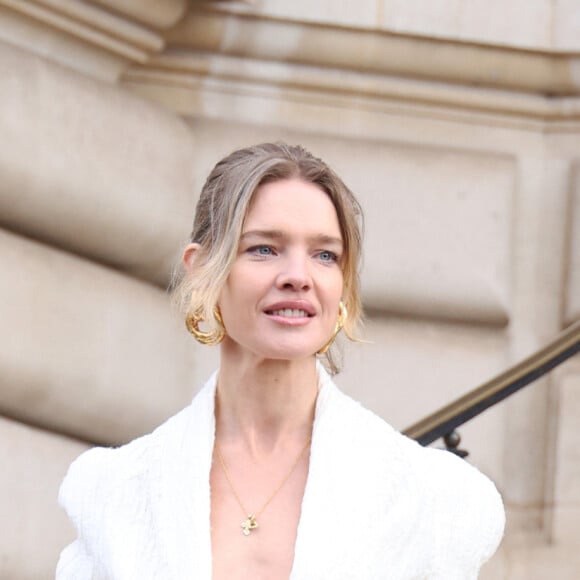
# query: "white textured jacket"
376, 505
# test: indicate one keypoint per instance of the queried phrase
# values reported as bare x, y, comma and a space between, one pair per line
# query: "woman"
271, 472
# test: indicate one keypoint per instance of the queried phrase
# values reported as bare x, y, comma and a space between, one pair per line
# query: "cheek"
336, 284
241, 290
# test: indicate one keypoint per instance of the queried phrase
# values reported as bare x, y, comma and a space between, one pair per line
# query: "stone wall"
458, 130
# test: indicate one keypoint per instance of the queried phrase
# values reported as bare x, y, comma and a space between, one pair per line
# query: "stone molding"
111, 38
89, 352
155, 13
221, 51
175, 42
68, 175
174, 72
418, 261
545, 72
530, 24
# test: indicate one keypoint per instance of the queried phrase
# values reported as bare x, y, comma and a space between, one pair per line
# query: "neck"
265, 403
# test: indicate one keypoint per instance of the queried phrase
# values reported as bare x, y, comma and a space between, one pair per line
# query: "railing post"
452, 440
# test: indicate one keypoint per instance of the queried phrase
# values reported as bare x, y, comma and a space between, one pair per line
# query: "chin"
289, 348
290, 353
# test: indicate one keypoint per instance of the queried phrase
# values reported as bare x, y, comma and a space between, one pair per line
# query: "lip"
294, 305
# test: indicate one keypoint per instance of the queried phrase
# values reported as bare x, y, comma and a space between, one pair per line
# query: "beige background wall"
458, 126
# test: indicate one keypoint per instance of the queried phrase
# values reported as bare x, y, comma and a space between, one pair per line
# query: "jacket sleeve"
74, 563
79, 496
475, 526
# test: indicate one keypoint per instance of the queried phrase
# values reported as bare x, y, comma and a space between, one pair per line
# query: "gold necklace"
250, 523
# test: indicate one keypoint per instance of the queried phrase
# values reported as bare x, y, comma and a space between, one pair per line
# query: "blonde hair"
222, 209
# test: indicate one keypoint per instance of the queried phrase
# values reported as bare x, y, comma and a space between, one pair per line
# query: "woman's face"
281, 297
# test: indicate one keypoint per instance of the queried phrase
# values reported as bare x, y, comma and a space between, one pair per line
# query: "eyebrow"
278, 235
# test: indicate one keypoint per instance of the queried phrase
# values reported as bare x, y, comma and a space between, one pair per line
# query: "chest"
267, 550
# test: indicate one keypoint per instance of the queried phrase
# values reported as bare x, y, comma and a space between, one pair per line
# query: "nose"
295, 274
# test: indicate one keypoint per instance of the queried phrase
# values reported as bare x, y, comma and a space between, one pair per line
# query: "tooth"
290, 313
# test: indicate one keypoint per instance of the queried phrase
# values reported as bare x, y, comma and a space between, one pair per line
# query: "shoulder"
464, 509
472, 509
116, 497
107, 467
98, 478
102, 478
457, 508
101, 469
100, 488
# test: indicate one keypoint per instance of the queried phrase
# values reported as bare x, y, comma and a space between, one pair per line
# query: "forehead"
292, 204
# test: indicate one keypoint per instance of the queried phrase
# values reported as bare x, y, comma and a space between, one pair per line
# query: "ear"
190, 255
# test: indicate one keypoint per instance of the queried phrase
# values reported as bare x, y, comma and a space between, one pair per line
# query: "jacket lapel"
184, 490
348, 505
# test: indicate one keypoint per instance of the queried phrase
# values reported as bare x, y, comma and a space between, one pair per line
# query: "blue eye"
327, 256
261, 250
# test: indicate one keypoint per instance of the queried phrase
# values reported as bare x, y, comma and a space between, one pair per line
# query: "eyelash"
256, 251
332, 255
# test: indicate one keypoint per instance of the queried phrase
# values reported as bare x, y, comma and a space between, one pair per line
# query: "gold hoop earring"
342, 314
210, 338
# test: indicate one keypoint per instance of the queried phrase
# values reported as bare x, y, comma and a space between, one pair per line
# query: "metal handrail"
443, 422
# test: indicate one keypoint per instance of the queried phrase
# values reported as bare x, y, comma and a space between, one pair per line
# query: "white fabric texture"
376, 504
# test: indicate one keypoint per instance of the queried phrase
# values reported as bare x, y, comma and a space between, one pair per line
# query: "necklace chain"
250, 522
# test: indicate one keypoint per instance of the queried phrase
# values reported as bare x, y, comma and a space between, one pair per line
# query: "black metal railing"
444, 422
